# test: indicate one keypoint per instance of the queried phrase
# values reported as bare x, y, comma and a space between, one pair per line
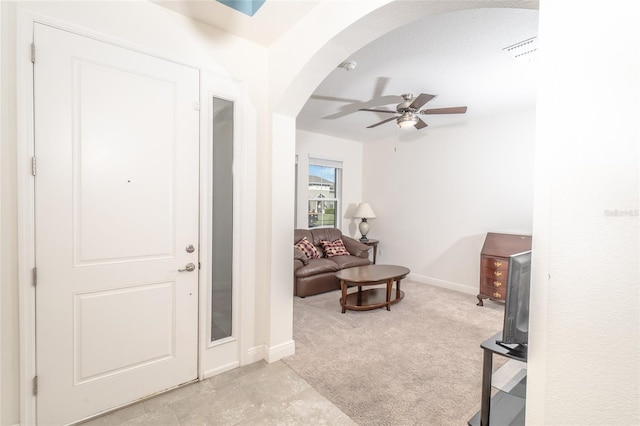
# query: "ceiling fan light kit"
407, 120
409, 109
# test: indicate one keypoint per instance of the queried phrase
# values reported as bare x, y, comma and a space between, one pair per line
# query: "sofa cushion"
299, 255
317, 266
355, 247
349, 261
325, 234
334, 248
307, 247
299, 234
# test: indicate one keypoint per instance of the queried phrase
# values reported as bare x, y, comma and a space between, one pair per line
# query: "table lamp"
364, 211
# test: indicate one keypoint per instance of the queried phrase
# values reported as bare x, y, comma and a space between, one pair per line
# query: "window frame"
337, 199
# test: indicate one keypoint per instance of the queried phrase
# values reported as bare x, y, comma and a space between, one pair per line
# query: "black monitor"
515, 330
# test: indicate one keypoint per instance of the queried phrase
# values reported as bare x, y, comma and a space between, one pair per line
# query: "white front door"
116, 208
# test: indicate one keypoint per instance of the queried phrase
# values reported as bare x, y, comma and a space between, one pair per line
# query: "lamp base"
364, 229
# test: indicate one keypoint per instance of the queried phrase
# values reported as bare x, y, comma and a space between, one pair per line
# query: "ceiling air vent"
524, 51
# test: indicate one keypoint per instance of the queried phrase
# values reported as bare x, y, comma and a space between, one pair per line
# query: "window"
222, 220
324, 193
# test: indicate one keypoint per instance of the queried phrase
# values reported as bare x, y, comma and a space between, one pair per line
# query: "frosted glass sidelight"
222, 220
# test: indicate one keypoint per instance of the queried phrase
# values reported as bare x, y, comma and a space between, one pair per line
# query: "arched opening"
283, 136
293, 80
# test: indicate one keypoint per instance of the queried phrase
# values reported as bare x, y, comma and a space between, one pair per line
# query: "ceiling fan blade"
452, 110
385, 100
381, 84
334, 99
355, 107
420, 100
420, 124
344, 111
381, 122
377, 110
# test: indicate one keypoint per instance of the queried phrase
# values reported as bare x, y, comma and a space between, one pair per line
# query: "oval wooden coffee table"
373, 298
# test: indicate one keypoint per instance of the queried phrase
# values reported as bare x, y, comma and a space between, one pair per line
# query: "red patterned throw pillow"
308, 248
334, 248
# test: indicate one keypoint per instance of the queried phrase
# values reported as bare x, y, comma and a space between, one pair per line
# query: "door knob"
190, 267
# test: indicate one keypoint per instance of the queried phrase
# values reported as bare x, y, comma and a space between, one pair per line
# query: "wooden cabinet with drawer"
494, 263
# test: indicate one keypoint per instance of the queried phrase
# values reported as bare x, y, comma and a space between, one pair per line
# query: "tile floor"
257, 394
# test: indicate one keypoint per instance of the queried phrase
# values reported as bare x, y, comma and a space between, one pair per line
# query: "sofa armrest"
355, 247
300, 256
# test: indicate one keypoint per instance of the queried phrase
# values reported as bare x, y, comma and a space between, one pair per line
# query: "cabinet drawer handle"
497, 284
497, 273
497, 264
496, 294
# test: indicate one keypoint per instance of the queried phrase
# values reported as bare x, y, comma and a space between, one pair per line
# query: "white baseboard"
444, 284
254, 354
214, 372
278, 352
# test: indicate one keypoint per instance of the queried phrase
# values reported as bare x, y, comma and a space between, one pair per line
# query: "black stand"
505, 408
517, 351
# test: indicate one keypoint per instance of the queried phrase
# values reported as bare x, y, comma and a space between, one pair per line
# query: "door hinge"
198, 265
34, 386
196, 106
33, 166
35, 276
33, 53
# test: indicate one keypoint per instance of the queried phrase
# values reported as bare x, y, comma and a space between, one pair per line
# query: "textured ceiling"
457, 56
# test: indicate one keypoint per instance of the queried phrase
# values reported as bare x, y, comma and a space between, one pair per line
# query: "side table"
372, 243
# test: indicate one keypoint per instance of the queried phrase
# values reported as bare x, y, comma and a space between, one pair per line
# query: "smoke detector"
524, 51
348, 65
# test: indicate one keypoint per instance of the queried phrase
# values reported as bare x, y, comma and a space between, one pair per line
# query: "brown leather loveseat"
317, 275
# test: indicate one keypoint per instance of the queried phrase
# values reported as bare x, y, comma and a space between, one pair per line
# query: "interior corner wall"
584, 364
9, 333
438, 191
350, 152
279, 339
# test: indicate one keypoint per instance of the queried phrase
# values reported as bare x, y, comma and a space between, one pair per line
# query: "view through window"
324, 193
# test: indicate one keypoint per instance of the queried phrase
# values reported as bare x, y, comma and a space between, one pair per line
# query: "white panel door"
116, 143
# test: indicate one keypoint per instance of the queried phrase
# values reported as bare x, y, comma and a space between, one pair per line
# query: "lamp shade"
364, 210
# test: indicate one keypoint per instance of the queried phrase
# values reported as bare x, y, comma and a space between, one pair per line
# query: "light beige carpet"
418, 364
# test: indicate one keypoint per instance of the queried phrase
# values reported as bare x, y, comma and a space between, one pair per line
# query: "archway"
299, 61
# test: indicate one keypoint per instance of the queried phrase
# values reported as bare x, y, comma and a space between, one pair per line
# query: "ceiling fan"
354, 105
409, 110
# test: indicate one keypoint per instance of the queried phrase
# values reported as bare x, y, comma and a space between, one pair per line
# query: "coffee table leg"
389, 286
343, 301
398, 289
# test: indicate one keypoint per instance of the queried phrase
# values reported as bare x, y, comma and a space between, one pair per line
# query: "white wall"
9, 337
350, 153
584, 356
438, 191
